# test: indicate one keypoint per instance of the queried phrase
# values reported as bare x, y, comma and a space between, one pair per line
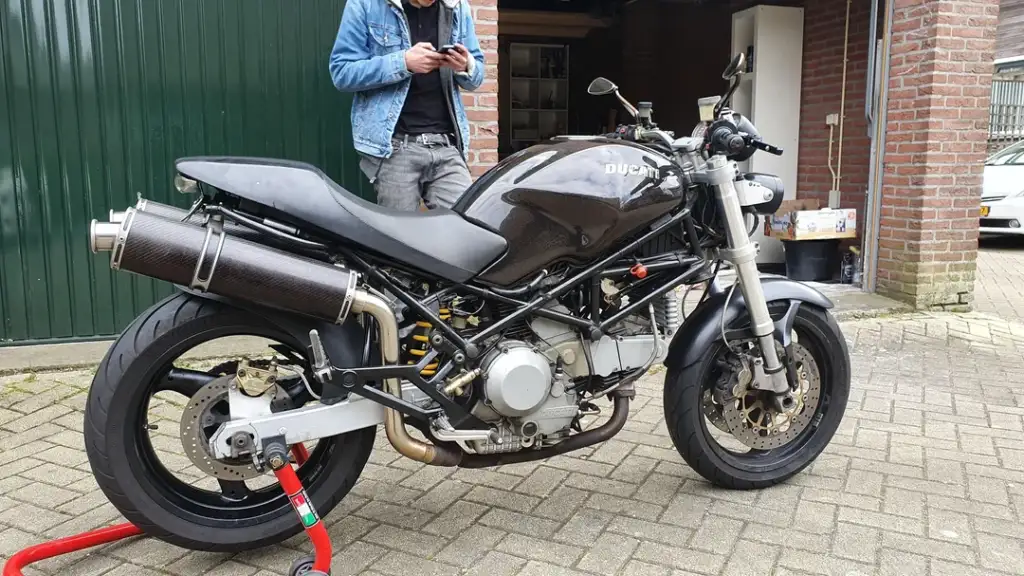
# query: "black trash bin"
810, 260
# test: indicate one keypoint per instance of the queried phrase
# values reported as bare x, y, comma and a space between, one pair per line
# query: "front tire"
132, 477
691, 432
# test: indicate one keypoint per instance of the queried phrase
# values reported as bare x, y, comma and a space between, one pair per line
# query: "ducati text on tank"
515, 334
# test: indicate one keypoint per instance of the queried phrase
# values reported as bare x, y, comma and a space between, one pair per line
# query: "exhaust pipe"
207, 259
394, 421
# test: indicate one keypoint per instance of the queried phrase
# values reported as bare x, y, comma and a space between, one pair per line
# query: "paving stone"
897, 563
950, 526
609, 554
914, 544
681, 558
502, 499
496, 564
401, 564
663, 533
624, 506
856, 542
751, 559
561, 504
470, 545
519, 523
540, 549
1000, 553
717, 534
357, 557
542, 481
416, 543
686, 510
455, 518
584, 527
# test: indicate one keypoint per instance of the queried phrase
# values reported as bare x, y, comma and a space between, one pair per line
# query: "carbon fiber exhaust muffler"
210, 260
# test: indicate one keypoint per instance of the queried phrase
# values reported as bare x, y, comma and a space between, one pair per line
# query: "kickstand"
276, 453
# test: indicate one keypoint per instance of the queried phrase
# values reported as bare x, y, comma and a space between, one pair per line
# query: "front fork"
742, 254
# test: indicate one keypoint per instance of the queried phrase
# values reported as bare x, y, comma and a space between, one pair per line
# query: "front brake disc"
756, 424
205, 412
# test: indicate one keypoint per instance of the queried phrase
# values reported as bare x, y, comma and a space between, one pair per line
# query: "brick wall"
482, 105
824, 29
940, 88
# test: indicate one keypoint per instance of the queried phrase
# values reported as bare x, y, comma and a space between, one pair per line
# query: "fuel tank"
570, 199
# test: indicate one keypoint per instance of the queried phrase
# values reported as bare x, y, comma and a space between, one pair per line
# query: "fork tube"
742, 254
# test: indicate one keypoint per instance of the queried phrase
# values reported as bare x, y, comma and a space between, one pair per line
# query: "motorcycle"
499, 330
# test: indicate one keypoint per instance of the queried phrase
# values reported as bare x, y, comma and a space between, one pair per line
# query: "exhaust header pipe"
207, 259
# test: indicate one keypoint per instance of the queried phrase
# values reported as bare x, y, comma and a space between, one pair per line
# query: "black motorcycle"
498, 330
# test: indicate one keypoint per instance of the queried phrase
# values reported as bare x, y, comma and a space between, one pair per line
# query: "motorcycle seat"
438, 241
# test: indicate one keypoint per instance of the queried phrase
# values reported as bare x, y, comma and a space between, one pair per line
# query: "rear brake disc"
205, 412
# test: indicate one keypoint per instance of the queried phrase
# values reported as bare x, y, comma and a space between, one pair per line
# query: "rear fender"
704, 325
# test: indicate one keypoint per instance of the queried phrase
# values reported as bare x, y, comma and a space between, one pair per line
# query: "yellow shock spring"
420, 343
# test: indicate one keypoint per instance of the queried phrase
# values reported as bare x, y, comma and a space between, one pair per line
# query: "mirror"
601, 86
735, 67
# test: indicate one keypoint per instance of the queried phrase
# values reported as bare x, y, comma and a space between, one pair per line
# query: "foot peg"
321, 364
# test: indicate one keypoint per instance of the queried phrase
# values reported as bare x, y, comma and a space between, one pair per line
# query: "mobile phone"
446, 48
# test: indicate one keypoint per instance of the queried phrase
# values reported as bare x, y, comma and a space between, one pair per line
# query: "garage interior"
672, 52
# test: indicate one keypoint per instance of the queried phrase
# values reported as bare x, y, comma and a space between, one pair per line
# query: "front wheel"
732, 435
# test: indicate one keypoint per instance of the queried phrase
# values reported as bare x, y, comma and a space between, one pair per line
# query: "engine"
529, 398
535, 381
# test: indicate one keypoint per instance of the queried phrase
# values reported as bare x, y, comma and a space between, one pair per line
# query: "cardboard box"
804, 220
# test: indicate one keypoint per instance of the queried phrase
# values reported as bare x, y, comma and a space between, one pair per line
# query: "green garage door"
97, 99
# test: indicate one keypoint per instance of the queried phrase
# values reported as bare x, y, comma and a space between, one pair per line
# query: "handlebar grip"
728, 141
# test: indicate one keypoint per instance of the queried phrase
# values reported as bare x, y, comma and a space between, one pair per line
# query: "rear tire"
689, 428
116, 442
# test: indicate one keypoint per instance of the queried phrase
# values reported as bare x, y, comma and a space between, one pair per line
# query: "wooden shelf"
539, 92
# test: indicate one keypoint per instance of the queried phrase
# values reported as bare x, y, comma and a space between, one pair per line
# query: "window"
1012, 156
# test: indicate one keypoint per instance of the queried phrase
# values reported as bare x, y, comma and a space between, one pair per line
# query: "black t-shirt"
425, 110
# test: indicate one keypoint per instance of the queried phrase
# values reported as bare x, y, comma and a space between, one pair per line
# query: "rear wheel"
141, 465
732, 436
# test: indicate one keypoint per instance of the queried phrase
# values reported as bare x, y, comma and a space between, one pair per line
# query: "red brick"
941, 58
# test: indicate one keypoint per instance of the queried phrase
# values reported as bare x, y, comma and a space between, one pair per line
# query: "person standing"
408, 121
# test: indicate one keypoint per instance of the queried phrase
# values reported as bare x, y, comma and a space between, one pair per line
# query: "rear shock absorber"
419, 343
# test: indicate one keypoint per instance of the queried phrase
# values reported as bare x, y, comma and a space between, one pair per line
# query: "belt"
427, 139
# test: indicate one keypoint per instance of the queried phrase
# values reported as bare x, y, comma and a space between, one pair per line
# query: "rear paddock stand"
318, 565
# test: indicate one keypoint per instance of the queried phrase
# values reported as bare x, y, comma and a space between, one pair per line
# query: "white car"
1002, 197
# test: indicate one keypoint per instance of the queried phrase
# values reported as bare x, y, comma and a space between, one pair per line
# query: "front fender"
704, 325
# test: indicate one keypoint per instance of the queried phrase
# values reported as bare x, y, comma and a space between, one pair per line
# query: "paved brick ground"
925, 477
1000, 285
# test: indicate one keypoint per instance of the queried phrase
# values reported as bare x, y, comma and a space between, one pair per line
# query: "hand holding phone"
456, 57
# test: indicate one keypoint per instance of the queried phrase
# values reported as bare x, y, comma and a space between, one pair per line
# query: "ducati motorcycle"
494, 333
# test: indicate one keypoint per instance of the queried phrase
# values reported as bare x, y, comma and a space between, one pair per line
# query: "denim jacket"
369, 59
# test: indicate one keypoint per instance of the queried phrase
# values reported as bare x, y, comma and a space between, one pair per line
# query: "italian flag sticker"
305, 510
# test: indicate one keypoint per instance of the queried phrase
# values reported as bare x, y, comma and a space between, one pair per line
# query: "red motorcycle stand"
318, 565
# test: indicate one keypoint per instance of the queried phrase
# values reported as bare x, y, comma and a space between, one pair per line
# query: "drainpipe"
834, 201
873, 218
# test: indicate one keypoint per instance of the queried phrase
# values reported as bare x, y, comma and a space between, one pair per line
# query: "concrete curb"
86, 355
